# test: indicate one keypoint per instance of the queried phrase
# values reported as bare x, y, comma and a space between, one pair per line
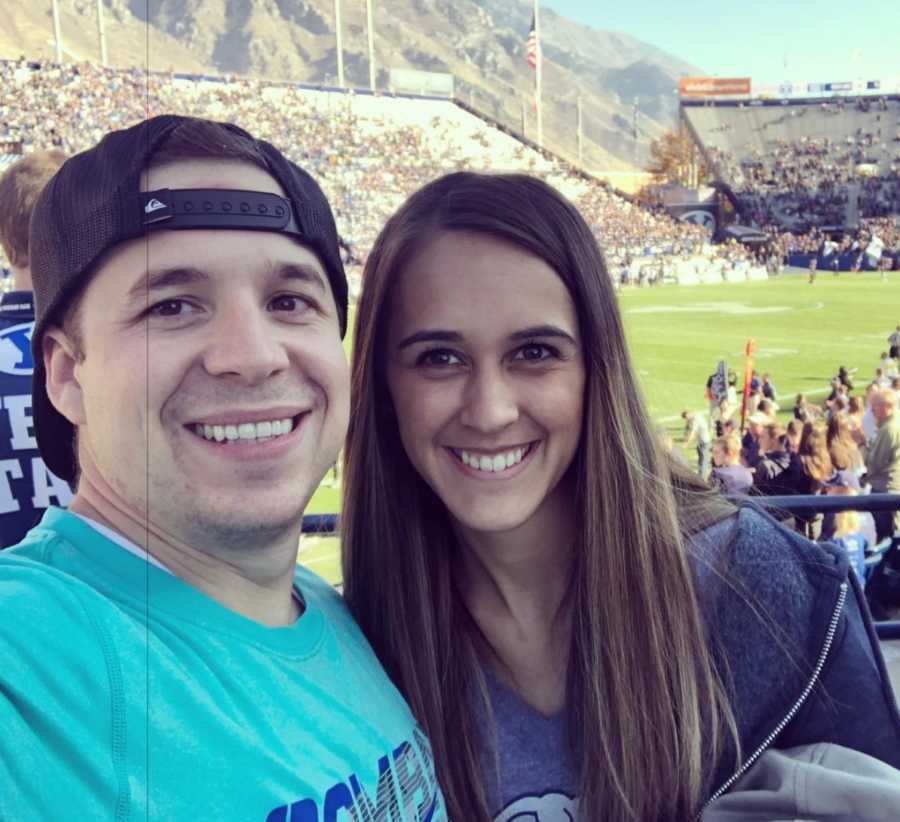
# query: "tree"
675, 159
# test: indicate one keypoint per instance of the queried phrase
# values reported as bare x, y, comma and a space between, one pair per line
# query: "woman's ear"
61, 360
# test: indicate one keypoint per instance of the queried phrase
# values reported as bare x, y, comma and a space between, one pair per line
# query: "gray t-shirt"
537, 778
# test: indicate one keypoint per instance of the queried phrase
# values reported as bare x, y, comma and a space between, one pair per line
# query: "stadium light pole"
101, 31
538, 77
370, 27
57, 33
578, 132
338, 42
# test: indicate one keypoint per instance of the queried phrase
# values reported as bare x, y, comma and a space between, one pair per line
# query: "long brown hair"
647, 711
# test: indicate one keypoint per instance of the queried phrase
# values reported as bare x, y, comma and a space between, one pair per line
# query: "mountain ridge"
482, 44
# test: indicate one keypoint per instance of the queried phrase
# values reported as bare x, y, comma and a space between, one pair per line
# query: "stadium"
774, 250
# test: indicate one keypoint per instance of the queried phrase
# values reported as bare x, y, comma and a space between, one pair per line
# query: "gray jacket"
813, 783
788, 620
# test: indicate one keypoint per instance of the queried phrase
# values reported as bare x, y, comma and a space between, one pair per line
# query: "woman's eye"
437, 358
535, 353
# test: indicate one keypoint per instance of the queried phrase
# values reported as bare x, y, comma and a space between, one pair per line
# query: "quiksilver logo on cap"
153, 205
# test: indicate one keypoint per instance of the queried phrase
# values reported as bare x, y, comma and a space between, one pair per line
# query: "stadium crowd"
367, 164
848, 444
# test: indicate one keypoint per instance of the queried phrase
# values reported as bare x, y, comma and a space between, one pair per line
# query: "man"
894, 342
696, 430
728, 475
163, 655
26, 486
750, 441
883, 457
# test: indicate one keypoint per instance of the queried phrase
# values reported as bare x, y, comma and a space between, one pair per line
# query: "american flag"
531, 49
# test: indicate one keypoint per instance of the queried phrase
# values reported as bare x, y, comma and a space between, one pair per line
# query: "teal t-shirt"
126, 694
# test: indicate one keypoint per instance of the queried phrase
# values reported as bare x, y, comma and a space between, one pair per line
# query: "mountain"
622, 82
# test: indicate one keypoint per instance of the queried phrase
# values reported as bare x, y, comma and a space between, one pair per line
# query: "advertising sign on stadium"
713, 86
411, 81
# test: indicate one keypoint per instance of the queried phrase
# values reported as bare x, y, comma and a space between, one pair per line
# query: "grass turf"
677, 335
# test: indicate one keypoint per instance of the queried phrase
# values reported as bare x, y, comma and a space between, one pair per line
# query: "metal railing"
800, 505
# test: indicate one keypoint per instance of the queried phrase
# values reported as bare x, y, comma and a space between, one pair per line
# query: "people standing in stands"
775, 470
696, 432
894, 342
768, 389
728, 474
750, 441
815, 472
793, 434
856, 410
869, 423
846, 458
883, 457
27, 486
849, 536
802, 410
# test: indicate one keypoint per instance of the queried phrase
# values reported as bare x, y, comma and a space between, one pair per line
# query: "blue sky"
823, 41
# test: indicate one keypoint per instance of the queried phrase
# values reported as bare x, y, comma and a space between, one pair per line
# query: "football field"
677, 335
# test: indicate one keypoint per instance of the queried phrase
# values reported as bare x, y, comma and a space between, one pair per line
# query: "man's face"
881, 410
194, 338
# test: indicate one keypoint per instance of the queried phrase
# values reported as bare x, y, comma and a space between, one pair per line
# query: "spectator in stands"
520, 418
849, 536
869, 423
803, 411
26, 485
166, 607
865, 519
750, 442
845, 456
815, 473
728, 474
855, 413
894, 342
793, 434
696, 431
775, 470
845, 377
883, 457
768, 409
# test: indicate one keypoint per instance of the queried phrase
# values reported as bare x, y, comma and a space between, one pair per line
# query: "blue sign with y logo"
15, 350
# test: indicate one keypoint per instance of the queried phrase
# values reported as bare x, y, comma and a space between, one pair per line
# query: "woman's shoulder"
751, 546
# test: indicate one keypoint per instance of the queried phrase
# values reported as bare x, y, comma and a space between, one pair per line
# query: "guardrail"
800, 505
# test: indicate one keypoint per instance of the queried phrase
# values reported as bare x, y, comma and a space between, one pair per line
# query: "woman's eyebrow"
542, 331
430, 335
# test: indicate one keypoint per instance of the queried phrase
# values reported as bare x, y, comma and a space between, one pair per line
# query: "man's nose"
246, 343
490, 401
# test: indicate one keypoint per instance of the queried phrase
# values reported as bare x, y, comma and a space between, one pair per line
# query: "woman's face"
486, 373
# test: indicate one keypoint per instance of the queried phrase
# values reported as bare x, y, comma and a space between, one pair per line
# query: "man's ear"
60, 362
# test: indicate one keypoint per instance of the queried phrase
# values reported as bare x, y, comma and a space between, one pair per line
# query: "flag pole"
538, 78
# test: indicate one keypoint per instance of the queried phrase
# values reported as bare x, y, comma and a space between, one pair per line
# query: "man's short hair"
20, 187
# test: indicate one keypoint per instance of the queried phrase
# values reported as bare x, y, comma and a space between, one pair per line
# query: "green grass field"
678, 334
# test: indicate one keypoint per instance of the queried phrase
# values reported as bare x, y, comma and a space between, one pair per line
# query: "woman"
569, 612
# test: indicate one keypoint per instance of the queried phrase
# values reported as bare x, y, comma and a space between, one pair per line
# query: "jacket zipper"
823, 655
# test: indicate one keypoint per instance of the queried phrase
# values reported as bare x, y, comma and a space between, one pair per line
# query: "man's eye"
437, 358
169, 308
289, 302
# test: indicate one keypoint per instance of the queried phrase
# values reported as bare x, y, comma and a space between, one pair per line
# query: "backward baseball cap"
94, 203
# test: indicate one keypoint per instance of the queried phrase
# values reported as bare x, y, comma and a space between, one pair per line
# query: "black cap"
94, 202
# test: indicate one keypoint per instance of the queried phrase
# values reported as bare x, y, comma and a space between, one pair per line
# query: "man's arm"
56, 759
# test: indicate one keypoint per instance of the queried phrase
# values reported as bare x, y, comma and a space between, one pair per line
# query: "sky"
824, 41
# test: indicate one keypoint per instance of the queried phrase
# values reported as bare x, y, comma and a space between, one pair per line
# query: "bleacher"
796, 163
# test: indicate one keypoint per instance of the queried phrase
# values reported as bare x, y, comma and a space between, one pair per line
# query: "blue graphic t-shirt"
536, 780
127, 694
27, 487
